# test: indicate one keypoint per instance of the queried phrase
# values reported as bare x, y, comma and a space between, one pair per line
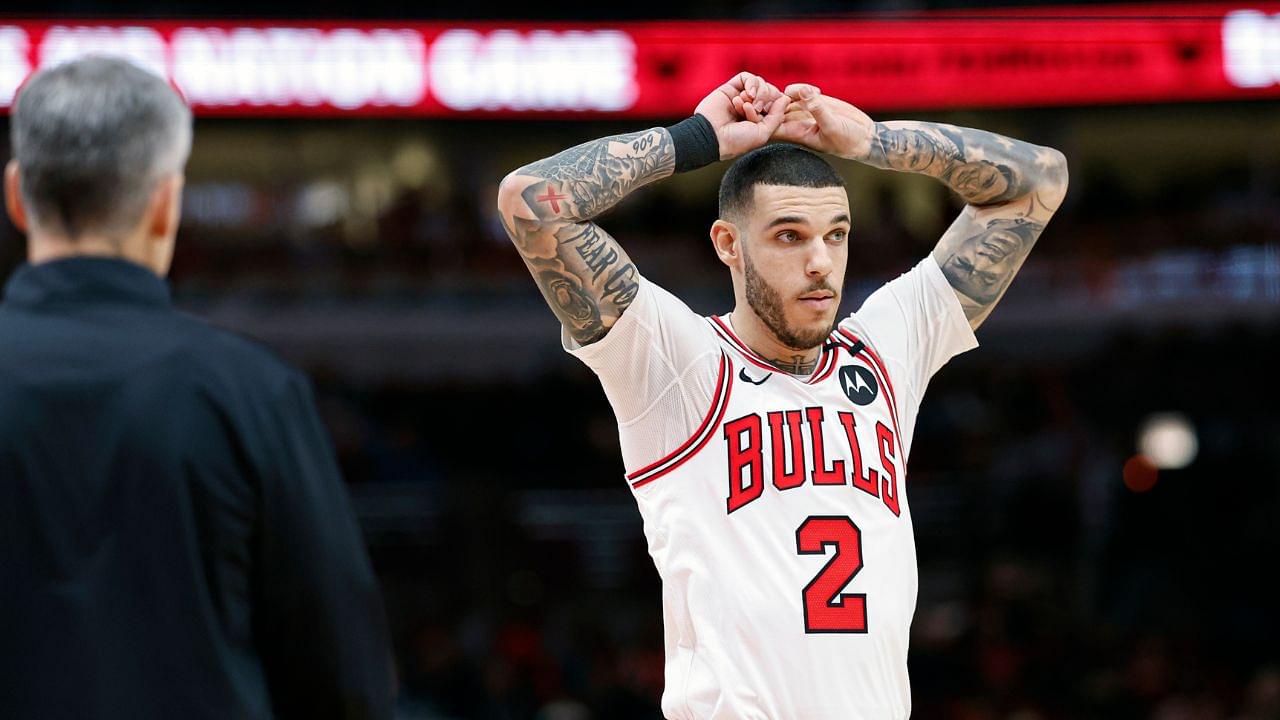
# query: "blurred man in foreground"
175, 539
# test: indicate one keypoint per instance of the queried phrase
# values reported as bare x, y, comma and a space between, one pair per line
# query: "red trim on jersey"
673, 460
877, 364
878, 369
723, 330
727, 335
820, 375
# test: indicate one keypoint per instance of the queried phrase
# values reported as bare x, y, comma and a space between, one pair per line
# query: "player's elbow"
1055, 174
509, 201
509, 193
1051, 185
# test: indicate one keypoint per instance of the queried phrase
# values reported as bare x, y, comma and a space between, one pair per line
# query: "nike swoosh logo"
742, 374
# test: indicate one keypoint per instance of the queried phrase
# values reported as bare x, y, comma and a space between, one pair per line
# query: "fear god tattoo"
546, 207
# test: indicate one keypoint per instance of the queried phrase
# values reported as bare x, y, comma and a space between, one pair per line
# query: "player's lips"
818, 300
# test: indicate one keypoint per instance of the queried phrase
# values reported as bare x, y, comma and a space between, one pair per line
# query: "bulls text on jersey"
779, 456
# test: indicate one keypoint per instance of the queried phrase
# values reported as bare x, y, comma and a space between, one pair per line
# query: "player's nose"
818, 261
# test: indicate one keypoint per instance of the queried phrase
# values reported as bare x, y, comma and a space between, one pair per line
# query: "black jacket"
175, 537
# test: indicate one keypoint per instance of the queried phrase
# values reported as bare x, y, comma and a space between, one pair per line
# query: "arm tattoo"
546, 208
982, 167
1011, 187
596, 175
982, 251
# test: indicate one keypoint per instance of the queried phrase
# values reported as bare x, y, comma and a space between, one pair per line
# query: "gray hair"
93, 138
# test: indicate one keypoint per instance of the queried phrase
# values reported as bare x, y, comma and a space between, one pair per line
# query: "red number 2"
826, 609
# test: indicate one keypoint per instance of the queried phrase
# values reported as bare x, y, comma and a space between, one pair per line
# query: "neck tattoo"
796, 364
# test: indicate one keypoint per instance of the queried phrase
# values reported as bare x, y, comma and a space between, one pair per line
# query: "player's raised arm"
1012, 187
547, 206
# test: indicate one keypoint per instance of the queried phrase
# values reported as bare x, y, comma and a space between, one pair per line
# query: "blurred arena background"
1096, 492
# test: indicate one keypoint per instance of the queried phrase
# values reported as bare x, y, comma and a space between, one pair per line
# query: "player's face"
794, 260
979, 264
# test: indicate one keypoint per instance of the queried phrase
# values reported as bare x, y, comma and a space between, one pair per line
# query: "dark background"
484, 463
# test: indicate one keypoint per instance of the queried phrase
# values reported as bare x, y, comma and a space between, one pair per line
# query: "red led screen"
1047, 56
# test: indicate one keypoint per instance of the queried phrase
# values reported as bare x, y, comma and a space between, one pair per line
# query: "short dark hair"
778, 164
92, 138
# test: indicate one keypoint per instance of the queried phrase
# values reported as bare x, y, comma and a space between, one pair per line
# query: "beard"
766, 301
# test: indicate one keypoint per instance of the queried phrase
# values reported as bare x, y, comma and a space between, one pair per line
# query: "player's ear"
13, 197
727, 241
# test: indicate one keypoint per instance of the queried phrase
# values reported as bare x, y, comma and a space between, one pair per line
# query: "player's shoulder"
857, 330
892, 305
872, 333
668, 316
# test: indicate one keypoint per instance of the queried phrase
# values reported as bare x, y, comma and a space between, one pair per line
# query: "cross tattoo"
553, 198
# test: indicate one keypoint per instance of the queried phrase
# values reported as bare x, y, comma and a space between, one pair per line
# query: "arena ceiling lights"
922, 61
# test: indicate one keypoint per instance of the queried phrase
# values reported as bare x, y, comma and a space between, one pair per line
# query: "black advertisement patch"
859, 384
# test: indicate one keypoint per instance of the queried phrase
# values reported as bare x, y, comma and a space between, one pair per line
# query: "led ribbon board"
924, 61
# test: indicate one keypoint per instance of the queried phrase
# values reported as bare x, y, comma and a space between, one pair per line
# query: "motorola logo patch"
858, 384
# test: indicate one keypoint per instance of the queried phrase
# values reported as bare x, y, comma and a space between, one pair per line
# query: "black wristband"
695, 143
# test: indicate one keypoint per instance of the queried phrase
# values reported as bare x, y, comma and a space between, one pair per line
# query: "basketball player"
767, 448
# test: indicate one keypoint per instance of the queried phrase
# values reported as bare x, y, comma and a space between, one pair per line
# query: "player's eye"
788, 236
838, 236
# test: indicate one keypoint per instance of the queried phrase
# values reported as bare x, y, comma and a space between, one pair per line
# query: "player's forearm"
982, 167
586, 277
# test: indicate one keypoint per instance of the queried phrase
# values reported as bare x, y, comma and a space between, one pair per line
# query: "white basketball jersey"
775, 507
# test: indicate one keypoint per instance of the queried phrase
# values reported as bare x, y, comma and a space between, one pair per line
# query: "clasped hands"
747, 112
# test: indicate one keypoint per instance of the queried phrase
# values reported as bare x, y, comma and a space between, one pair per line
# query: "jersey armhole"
699, 438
